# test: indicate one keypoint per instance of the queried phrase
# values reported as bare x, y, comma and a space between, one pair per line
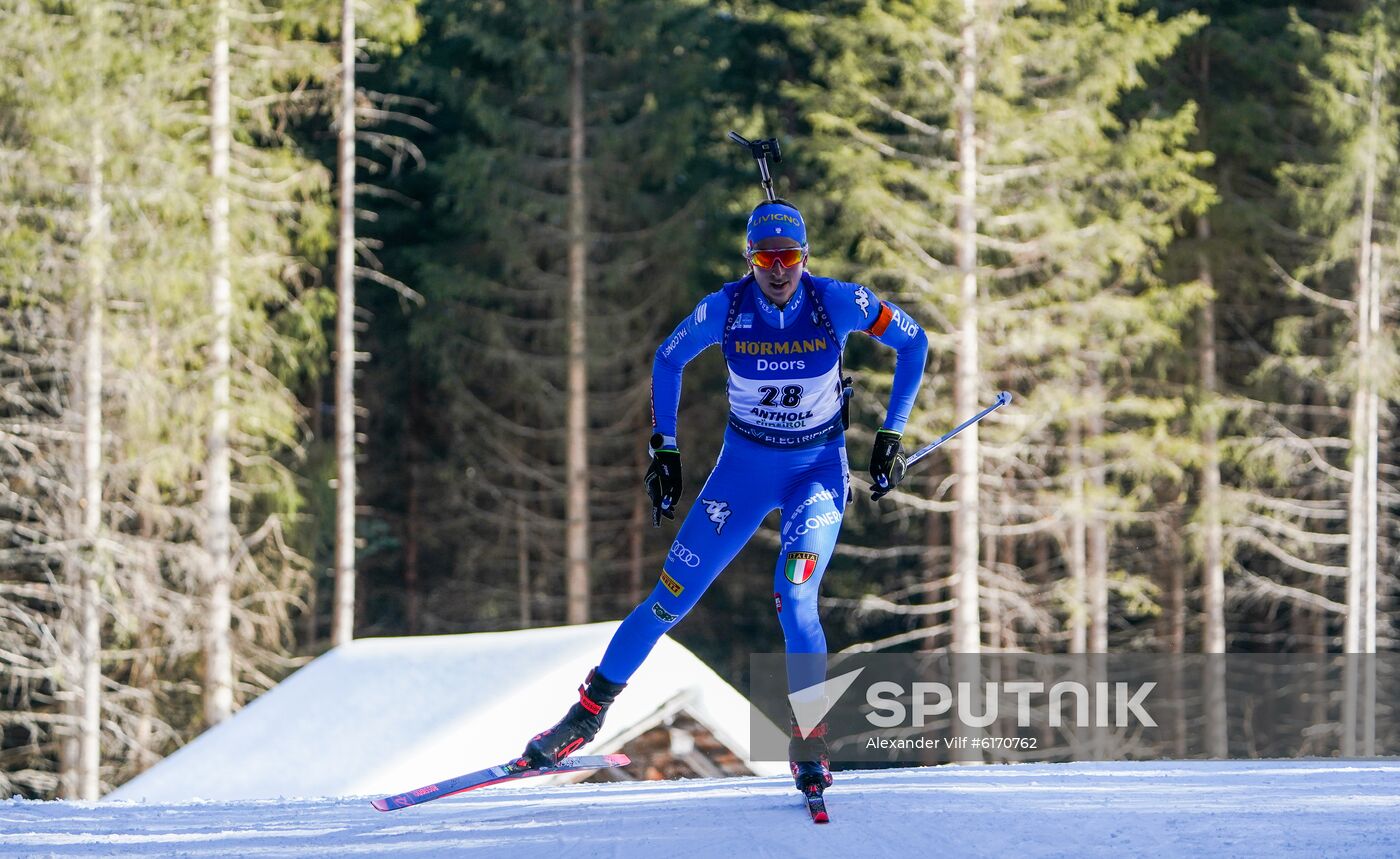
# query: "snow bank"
1237, 809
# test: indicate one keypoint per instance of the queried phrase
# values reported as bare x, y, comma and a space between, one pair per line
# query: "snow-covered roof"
383, 715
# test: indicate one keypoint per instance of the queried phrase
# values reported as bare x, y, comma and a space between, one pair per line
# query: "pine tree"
1074, 200
267, 212
391, 24
83, 173
525, 218
107, 301
1345, 202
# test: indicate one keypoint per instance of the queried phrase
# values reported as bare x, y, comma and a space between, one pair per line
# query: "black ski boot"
810, 759
579, 726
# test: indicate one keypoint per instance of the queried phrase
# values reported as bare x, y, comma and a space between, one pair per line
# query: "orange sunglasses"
787, 257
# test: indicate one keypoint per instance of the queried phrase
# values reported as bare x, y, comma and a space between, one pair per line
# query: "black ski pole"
762, 150
1002, 399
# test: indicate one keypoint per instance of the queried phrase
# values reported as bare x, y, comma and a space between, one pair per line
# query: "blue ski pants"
749, 479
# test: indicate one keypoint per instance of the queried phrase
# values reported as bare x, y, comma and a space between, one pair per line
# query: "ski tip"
618, 760
380, 804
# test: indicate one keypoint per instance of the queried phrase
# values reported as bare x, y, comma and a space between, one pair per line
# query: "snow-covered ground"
1189, 809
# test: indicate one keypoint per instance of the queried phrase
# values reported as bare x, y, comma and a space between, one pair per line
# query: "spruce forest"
324, 319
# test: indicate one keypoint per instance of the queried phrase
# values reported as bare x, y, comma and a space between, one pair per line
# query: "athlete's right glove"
663, 480
886, 463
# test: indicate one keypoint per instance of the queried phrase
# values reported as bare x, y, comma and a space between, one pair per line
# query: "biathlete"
782, 331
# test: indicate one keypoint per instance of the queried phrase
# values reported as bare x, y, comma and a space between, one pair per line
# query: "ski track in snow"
1169, 809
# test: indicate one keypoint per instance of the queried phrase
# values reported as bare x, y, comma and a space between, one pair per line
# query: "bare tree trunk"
343, 615
1359, 632
967, 634
1212, 534
311, 618
95, 249
522, 553
1176, 608
1372, 502
1008, 556
218, 649
1176, 644
935, 539
991, 598
576, 420
1097, 578
412, 587
1078, 540
310, 629
1042, 643
1360, 547
415, 426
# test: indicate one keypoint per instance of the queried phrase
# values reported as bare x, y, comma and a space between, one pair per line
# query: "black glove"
886, 463
663, 480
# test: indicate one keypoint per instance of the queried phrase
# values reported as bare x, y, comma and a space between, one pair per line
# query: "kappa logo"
684, 555
863, 300
718, 511
662, 614
675, 587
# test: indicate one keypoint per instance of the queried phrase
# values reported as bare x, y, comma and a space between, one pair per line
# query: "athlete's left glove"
663, 480
886, 463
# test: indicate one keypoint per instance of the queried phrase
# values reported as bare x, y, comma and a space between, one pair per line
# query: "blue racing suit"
784, 448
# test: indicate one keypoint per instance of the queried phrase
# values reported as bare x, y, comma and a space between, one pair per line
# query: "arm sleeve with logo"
856, 308
697, 332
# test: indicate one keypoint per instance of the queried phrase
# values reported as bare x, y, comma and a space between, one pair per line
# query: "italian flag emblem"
800, 566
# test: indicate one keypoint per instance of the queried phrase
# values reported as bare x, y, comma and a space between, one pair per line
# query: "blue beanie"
776, 219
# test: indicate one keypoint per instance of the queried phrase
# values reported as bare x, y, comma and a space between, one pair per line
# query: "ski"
516, 769
816, 804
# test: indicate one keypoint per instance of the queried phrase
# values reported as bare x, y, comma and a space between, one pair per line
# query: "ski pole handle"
1002, 399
